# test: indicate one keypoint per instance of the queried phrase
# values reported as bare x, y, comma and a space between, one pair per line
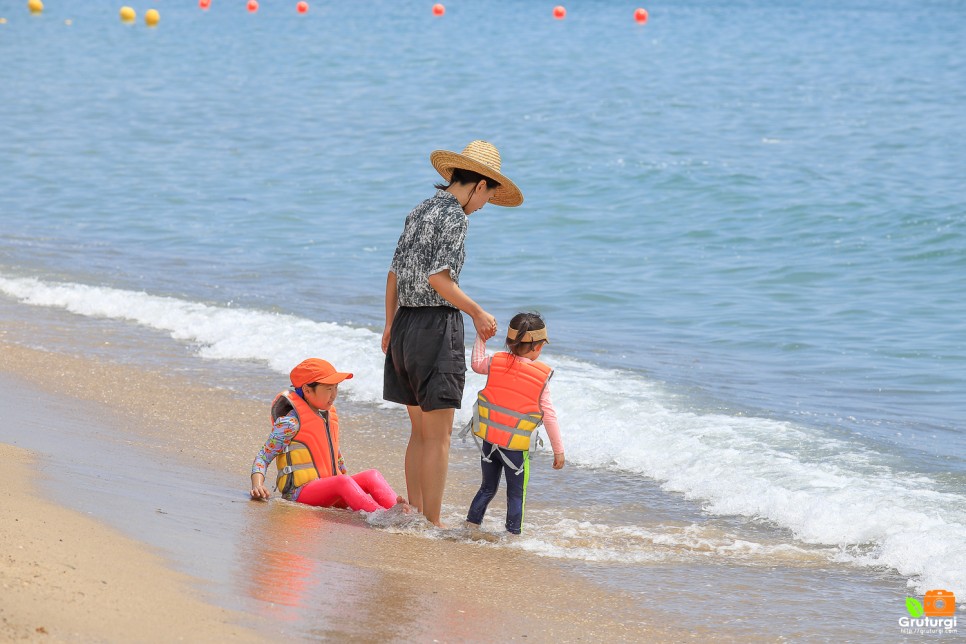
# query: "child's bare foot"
476, 533
406, 508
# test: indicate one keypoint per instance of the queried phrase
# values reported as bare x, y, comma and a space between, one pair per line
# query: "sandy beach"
78, 579
69, 578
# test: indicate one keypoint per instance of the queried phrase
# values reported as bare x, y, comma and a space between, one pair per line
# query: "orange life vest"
508, 408
313, 451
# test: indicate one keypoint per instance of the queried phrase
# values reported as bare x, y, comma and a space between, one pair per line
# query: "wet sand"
164, 460
66, 577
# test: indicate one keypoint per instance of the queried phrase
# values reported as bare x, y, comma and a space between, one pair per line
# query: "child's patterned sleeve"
284, 428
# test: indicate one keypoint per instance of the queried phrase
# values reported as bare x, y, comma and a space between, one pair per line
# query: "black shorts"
426, 360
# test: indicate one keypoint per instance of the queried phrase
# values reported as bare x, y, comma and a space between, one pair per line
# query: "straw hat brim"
445, 162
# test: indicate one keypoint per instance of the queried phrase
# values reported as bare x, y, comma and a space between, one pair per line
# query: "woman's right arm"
392, 305
450, 291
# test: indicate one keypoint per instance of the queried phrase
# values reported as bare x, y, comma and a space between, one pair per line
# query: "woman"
423, 339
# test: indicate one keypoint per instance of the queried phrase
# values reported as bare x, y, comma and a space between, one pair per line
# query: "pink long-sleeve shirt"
480, 362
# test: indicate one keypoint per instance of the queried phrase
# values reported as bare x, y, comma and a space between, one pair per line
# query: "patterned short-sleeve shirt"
432, 240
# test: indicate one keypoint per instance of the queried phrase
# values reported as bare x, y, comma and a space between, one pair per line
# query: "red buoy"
204, 4
640, 16
438, 9
302, 7
559, 12
252, 6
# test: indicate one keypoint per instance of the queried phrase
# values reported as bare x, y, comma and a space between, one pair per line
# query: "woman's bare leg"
414, 457
437, 428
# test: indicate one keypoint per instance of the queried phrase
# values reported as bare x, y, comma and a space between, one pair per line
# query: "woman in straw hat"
423, 339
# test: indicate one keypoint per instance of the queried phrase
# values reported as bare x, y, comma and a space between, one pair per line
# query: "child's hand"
485, 325
259, 491
558, 461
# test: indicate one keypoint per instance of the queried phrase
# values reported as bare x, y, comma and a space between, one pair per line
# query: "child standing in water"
514, 403
305, 446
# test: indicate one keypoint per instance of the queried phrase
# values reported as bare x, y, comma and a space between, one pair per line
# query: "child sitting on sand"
514, 403
305, 445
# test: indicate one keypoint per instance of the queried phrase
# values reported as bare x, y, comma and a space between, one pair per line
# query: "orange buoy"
302, 7
559, 12
438, 9
640, 16
252, 6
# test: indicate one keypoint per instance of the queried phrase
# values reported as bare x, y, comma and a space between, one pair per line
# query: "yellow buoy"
127, 14
68, 22
35, 6
3, 21
152, 17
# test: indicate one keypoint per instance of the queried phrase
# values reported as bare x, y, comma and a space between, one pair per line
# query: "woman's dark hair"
462, 176
523, 322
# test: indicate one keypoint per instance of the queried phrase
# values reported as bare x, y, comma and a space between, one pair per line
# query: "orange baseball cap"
316, 370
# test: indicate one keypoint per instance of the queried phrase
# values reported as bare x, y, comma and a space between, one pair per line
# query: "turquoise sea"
745, 224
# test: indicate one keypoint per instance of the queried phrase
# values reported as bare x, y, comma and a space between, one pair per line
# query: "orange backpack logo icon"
939, 603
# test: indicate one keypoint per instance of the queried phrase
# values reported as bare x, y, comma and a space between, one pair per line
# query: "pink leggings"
367, 491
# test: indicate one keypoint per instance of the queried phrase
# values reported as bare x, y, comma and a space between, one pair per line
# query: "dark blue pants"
516, 487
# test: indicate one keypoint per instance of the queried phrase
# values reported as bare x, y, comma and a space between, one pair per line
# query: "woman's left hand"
385, 338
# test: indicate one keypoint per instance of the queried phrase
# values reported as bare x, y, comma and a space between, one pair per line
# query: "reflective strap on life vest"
285, 472
536, 442
288, 469
503, 410
509, 464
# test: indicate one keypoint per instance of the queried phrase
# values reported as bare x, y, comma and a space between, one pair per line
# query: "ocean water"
745, 224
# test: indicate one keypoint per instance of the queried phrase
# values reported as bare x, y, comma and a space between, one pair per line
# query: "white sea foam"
549, 536
584, 540
828, 492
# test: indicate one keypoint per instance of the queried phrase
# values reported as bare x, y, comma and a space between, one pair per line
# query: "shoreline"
399, 585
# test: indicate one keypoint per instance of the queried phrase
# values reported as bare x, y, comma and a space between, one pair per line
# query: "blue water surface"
759, 203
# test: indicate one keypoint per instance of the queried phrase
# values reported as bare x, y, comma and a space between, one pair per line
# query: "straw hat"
483, 158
